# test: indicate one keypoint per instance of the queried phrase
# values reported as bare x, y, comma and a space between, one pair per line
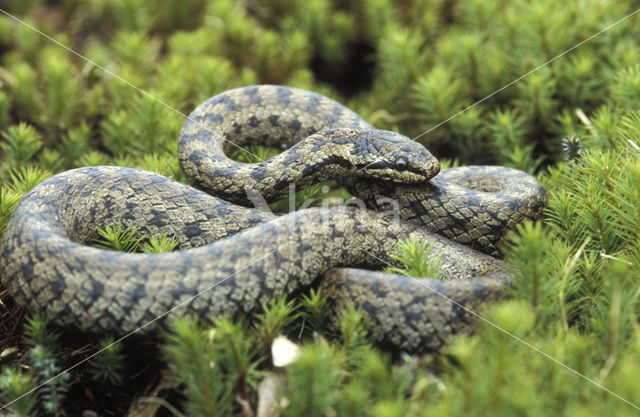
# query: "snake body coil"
236, 258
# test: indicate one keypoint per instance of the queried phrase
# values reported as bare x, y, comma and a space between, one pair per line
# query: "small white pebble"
283, 351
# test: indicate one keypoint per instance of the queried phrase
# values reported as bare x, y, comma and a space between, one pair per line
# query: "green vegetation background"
406, 66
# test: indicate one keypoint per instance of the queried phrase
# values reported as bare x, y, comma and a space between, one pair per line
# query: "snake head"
393, 157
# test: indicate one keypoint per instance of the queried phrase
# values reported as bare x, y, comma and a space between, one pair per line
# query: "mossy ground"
406, 66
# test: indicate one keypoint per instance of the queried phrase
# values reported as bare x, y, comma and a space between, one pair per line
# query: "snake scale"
235, 258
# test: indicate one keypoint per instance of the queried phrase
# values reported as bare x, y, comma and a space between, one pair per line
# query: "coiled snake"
235, 258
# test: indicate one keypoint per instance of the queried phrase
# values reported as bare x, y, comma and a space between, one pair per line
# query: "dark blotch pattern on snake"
235, 258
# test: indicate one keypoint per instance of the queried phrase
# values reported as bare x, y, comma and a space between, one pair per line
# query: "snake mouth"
399, 177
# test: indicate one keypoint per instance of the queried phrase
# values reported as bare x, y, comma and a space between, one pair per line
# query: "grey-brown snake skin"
237, 258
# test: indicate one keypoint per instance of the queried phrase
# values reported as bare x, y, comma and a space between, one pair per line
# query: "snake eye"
401, 163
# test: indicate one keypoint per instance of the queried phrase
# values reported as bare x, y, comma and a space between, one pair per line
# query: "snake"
233, 259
